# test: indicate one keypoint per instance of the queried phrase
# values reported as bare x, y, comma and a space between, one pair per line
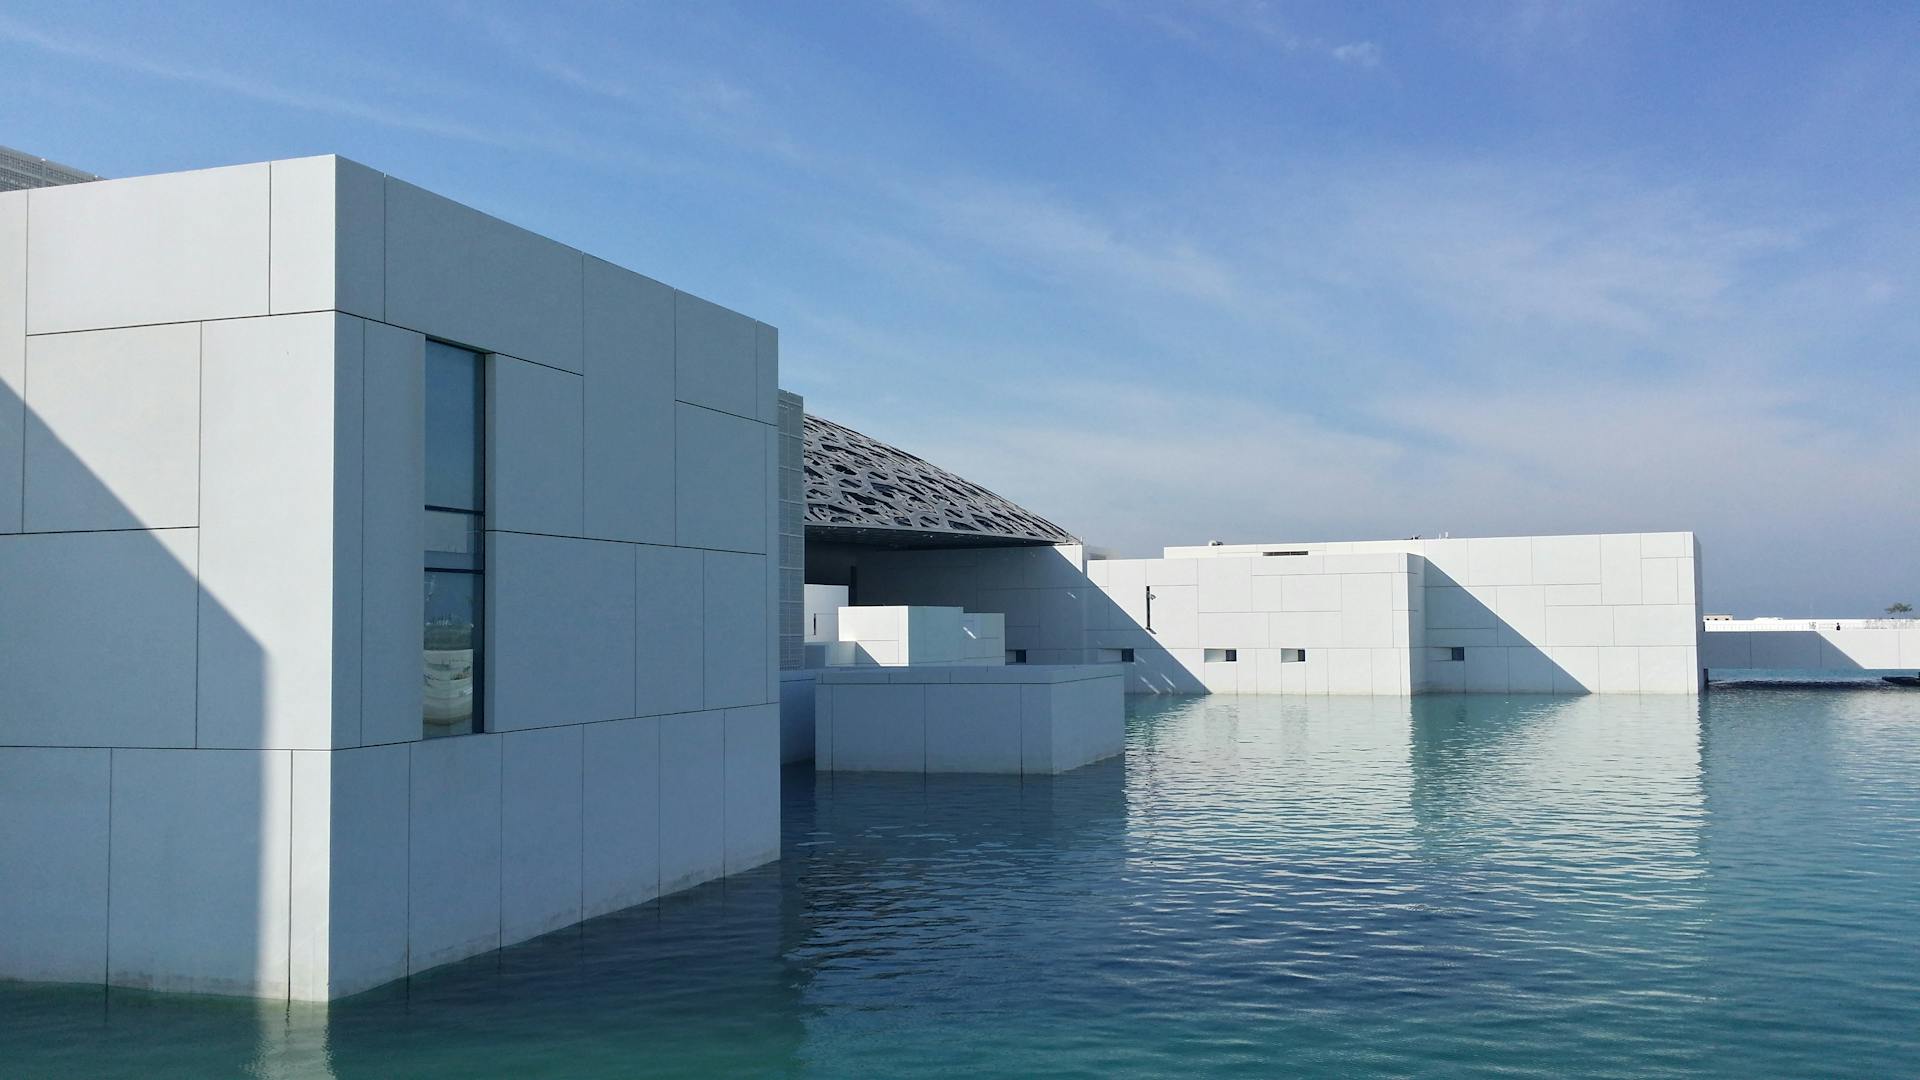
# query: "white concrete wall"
1594, 613
1020, 719
914, 636
1314, 624
211, 488
1807, 644
983, 638
1616, 613
879, 636
1294, 625
821, 621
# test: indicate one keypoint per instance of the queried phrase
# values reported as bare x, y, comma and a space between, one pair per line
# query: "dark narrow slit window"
455, 542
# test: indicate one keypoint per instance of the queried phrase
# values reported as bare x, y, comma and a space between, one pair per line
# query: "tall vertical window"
455, 541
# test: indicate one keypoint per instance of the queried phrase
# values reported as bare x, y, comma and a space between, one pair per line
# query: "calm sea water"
1449, 886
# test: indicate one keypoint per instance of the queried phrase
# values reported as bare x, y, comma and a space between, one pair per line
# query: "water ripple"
1442, 887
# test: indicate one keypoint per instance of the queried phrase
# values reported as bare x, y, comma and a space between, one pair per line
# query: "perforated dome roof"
862, 490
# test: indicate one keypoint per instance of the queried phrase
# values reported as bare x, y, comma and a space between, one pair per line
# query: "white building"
380, 583
1594, 613
1612, 613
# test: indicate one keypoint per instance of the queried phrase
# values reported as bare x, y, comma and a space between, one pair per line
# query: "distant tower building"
18, 170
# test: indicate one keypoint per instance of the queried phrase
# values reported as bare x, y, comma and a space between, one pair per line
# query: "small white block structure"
1018, 719
821, 621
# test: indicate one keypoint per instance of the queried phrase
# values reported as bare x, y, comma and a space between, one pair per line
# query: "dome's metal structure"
861, 490
19, 171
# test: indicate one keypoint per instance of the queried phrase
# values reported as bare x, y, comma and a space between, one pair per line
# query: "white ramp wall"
1812, 644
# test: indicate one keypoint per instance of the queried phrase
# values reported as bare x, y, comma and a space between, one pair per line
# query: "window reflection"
453, 539
452, 640
455, 533
455, 420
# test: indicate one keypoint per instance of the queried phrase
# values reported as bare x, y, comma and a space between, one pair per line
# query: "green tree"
1899, 608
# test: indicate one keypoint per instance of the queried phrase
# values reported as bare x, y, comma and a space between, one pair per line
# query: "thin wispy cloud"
1013, 52
1222, 268
213, 78
1358, 53
1510, 246
1214, 23
1056, 240
654, 85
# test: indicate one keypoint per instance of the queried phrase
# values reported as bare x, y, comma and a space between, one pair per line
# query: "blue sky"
1173, 272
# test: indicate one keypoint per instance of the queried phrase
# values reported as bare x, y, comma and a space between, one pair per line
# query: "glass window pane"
449, 533
454, 422
453, 634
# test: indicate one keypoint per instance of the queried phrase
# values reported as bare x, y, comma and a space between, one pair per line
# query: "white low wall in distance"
1809, 644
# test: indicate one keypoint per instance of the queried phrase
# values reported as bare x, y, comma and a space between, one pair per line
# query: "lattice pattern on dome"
857, 482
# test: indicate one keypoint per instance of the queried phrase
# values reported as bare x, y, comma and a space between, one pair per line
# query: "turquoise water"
1452, 886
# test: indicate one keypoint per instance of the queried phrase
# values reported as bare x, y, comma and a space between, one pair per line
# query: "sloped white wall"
1823, 644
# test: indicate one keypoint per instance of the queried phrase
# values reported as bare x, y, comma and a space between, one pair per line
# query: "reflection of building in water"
698, 985
1808, 843
1340, 761
898, 865
1574, 822
1629, 769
